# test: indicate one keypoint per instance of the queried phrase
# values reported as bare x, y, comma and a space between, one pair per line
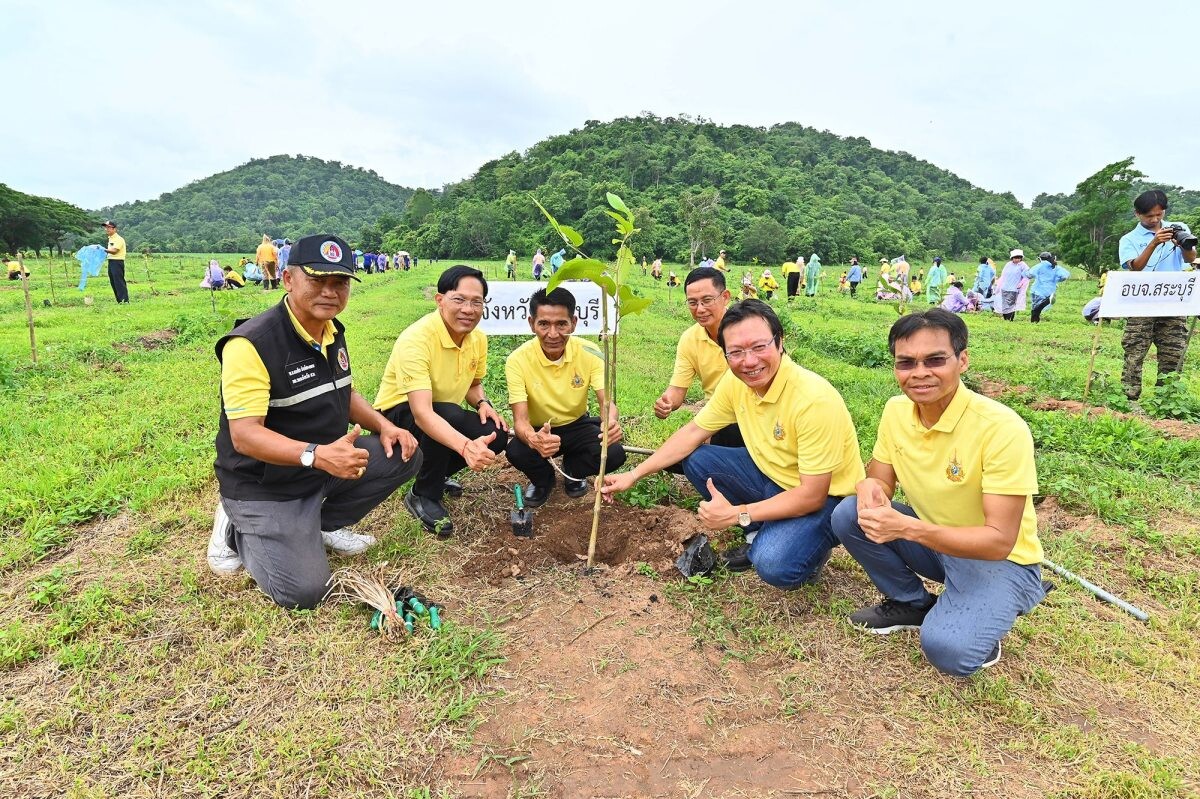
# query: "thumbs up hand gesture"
341, 458
477, 454
717, 513
544, 442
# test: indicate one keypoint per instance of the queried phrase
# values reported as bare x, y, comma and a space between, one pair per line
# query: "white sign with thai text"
1150, 294
506, 312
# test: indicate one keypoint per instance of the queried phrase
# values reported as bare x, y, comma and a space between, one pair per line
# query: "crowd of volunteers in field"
773, 451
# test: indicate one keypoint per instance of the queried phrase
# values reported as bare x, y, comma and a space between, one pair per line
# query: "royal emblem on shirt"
576, 381
954, 470
343, 359
778, 431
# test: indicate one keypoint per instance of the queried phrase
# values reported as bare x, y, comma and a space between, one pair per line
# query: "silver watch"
309, 456
744, 517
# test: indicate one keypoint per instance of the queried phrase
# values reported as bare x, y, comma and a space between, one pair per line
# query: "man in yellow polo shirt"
698, 355
292, 479
548, 380
115, 247
966, 465
801, 455
437, 363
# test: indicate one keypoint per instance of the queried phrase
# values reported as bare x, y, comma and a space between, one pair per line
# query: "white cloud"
125, 100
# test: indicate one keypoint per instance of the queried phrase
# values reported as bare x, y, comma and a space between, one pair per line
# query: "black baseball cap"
323, 255
109, 223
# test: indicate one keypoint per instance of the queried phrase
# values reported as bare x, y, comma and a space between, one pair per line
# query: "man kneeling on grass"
800, 457
291, 478
548, 379
966, 465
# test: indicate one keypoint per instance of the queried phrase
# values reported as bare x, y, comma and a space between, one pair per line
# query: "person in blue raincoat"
812, 275
556, 261
985, 278
1047, 275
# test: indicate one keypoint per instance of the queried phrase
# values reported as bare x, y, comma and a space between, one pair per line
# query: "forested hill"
281, 196
779, 191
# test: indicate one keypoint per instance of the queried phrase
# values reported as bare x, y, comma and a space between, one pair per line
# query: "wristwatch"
309, 456
744, 516
480, 405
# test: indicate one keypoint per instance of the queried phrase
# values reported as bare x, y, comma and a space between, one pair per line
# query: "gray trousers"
280, 540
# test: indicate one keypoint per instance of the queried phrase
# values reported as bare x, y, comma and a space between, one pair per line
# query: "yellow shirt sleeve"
597, 370
883, 441
719, 412
119, 243
515, 378
685, 371
245, 385
1008, 462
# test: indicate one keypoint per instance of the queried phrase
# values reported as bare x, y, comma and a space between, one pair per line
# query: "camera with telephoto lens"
1183, 239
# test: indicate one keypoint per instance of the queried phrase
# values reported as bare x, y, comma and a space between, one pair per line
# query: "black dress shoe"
430, 513
736, 559
536, 496
575, 488
453, 487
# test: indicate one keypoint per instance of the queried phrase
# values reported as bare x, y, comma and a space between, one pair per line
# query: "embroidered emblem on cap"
331, 252
343, 358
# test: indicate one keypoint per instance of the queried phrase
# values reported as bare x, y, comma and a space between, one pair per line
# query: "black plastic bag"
698, 558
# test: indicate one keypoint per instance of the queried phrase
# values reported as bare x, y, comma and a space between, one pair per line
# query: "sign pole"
28, 308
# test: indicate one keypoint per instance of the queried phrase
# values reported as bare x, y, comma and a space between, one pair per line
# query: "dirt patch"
606, 695
1171, 427
995, 388
562, 527
157, 339
151, 341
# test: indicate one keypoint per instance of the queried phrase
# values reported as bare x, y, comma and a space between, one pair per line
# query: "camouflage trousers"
1168, 334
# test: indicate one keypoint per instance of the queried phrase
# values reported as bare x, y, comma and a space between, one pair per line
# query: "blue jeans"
980, 602
786, 553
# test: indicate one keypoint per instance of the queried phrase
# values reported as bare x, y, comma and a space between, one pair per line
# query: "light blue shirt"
983, 281
1165, 258
1047, 277
855, 275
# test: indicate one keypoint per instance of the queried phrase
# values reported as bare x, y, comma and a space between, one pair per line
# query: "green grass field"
128, 670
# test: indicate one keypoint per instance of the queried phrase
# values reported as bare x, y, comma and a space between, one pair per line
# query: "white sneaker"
222, 559
345, 541
993, 658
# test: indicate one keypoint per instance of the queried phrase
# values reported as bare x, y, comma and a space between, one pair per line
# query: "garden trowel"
522, 519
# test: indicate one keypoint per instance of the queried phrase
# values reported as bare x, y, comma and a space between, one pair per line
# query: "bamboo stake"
50, 269
1092, 361
608, 379
28, 308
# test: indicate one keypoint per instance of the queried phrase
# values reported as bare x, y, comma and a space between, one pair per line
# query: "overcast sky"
115, 101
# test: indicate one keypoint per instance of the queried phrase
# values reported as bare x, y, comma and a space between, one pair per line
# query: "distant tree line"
31, 223
697, 187
281, 196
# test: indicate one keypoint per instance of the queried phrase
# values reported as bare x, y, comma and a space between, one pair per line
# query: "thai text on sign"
1150, 294
506, 310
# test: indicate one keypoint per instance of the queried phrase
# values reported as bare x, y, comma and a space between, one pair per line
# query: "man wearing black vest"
292, 479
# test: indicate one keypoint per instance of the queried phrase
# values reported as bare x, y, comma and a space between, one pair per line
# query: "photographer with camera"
1159, 246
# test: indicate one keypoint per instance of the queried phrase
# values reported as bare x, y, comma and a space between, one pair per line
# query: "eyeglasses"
460, 302
758, 351
932, 362
703, 302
